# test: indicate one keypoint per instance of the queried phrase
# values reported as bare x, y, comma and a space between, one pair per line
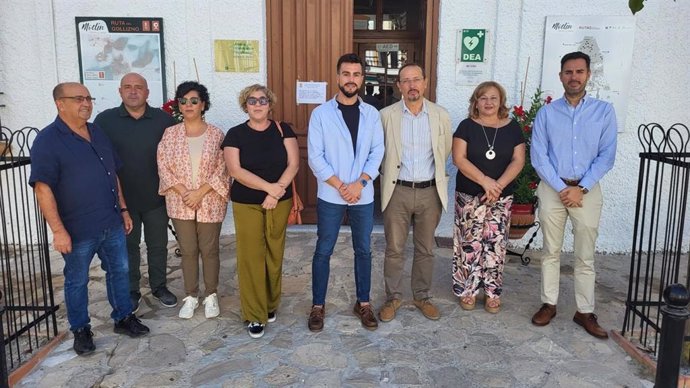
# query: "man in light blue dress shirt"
345, 145
573, 147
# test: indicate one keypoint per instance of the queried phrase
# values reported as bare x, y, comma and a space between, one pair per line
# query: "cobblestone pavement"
462, 349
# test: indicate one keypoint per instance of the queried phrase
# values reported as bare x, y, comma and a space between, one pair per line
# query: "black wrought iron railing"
28, 311
659, 255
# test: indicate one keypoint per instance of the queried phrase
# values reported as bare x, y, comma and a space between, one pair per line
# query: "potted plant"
524, 197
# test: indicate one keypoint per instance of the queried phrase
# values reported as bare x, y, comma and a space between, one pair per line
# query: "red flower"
527, 128
532, 185
169, 106
548, 99
518, 110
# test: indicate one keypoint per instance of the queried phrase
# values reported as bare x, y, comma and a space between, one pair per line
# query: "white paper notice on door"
311, 92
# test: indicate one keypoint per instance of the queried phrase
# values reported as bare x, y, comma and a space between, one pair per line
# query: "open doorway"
387, 34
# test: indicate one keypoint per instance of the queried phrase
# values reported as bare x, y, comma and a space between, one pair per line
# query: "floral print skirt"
479, 244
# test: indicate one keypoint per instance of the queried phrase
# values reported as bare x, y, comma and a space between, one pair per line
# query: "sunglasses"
193, 100
260, 100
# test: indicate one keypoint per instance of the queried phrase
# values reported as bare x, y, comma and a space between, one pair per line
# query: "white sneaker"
190, 304
211, 306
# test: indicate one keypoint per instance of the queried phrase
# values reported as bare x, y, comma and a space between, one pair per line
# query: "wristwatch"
364, 182
583, 189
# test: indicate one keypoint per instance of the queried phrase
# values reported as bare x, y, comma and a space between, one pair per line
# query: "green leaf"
635, 5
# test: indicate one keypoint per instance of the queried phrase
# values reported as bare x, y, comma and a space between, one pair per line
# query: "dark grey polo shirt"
136, 142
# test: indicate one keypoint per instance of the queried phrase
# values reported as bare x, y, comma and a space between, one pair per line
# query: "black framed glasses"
193, 100
260, 100
80, 99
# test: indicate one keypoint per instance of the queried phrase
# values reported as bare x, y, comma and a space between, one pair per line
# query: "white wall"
660, 80
38, 49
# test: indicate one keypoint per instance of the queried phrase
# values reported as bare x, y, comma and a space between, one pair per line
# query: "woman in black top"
489, 152
263, 157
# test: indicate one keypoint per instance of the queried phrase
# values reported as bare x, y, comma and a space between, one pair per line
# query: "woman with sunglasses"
195, 184
263, 157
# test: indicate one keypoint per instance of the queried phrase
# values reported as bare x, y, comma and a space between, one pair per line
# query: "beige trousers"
420, 208
585, 220
195, 238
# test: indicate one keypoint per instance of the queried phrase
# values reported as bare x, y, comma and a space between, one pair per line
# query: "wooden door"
305, 38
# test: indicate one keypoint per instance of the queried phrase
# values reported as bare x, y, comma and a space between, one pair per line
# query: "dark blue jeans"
111, 247
329, 217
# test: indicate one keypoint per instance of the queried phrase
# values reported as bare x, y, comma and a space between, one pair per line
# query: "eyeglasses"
485, 99
260, 100
184, 100
80, 99
411, 81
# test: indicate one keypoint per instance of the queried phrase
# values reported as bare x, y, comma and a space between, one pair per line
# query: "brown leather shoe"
589, 322
428, 309
544, 315
387, 312
316, 317
366, 315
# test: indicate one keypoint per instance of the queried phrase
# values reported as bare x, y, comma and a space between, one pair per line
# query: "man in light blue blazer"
345, 144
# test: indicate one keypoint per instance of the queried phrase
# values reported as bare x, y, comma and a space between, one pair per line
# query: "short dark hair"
349, 58
575, 55
410, 64
58, 90
189, 86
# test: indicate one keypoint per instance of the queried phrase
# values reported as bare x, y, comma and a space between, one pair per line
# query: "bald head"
59, 89
134, 91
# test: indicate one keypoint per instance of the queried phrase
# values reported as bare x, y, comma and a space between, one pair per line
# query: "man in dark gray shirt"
135, 129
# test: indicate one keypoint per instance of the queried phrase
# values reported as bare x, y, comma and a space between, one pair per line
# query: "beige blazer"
441, 141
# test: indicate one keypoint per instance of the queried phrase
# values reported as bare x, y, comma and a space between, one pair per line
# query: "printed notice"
311, 92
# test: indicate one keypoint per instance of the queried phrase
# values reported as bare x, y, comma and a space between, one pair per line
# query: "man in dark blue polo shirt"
73, 173
135, 129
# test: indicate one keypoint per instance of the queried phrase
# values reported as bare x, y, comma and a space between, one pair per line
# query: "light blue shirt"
417, 159
331, 152
574, 142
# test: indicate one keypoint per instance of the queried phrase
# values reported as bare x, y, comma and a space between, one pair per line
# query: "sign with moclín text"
110, 47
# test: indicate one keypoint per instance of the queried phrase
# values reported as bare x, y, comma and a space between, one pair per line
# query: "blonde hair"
246, 92
473, 112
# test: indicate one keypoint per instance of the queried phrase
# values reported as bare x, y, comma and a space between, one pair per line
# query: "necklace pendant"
490, 154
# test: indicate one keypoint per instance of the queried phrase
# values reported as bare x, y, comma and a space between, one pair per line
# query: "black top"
136, 142
507, 138
351, 117
263, 154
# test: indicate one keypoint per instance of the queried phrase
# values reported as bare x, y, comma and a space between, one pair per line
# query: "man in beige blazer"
414, 188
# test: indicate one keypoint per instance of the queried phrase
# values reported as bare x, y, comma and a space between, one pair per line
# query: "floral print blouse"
175, 166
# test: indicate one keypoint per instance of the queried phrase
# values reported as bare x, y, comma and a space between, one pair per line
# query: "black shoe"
167, 298
272, 316
135, 297
83, 341
255, 329
131, 326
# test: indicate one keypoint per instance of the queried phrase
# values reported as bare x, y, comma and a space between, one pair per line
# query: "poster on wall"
236, 56
111, 47
471, 65
608, 40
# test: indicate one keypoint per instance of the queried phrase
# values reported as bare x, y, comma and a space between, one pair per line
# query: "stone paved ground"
462, 349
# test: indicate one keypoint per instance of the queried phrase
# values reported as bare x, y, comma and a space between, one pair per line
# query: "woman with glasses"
263, 157
195, 184
489, 152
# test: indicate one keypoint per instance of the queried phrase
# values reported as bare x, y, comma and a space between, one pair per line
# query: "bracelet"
123, 209
342, 187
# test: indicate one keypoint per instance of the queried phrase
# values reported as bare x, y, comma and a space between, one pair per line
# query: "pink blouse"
175, 166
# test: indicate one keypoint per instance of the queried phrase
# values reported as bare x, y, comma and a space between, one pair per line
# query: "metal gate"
27, 314
660, 230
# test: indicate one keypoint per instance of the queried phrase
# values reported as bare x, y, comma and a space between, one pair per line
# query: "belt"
571, 182
416, 185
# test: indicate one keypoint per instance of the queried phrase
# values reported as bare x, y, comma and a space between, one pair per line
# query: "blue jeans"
111, 247
329, 218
